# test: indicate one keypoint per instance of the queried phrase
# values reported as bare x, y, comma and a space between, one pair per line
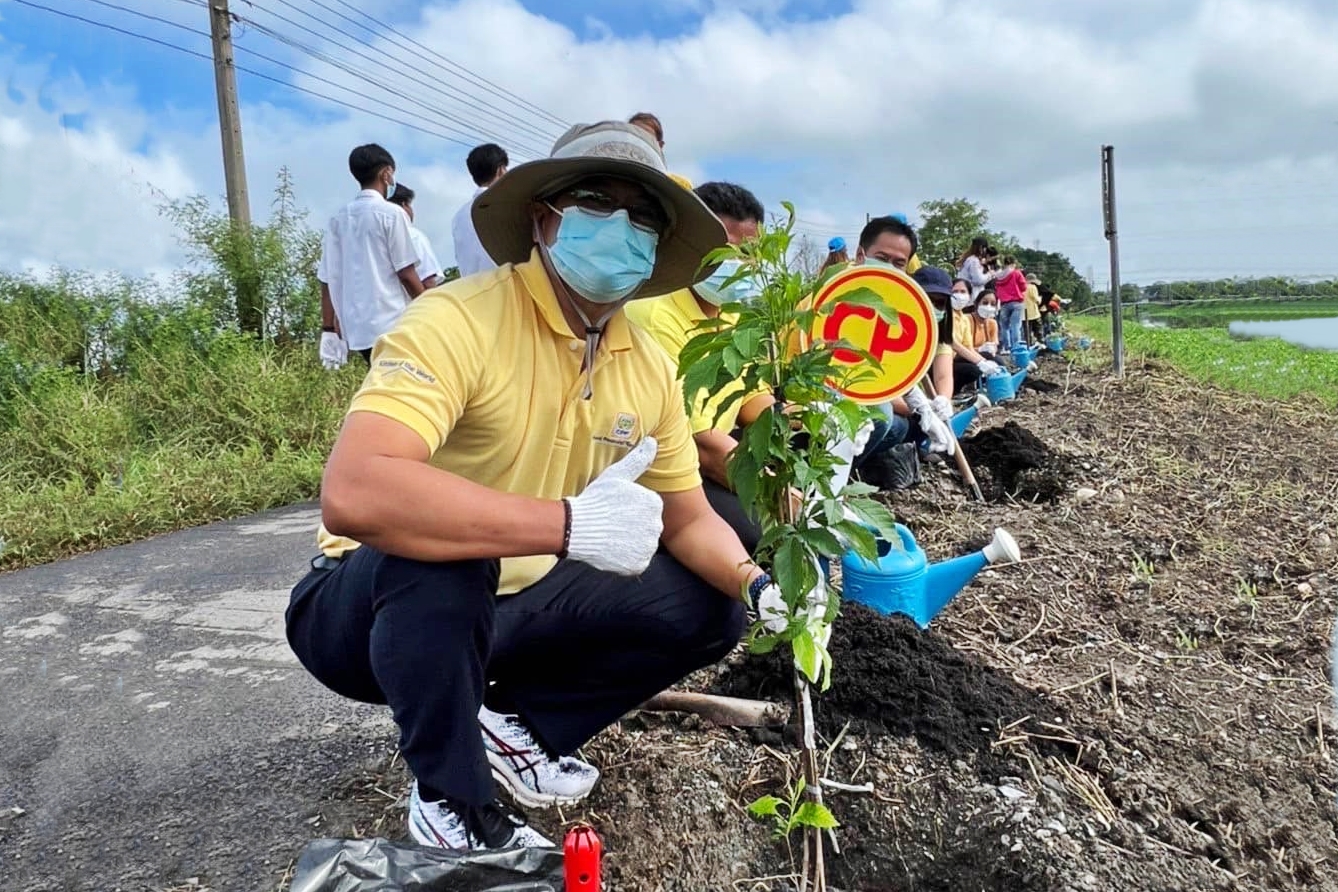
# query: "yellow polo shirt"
961, 329
1031, 302
486, 370
672, 321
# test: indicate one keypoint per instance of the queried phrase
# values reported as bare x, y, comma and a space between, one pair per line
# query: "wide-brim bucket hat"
505, 226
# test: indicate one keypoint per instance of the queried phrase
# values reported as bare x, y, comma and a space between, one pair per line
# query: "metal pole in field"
229, 115
1108, 211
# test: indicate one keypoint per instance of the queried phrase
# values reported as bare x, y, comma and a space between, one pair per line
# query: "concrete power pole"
1112, 236
229, 115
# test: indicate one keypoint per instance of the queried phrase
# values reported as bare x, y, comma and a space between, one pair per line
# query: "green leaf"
814, 814
822, 541
806, 654
743, 474
793, 570
861, 539
734, 361
765, 807
864, 297
876, 514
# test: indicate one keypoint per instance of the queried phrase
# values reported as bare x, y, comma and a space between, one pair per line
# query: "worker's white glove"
1031, 367
775, 618
334, 350
988, 367
938, 432
942, 407
616, 523
842, 447
990, 347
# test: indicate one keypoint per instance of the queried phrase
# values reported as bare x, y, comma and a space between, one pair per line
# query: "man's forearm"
410, 509
329, 322
713, 451
709, 548
413, 286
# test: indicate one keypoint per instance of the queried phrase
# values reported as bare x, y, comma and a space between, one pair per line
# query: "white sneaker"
493, 826
535, 777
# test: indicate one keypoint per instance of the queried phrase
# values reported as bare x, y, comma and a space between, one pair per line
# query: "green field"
1267, 367
1221, 313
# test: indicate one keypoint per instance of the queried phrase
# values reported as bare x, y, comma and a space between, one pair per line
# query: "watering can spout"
945, 579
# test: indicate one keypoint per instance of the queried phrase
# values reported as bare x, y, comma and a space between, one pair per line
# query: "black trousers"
730, 509
964, 375
570, 654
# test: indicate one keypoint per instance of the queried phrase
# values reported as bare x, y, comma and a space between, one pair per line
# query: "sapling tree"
790, 475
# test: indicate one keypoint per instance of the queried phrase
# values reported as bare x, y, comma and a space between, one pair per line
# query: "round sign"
904, 348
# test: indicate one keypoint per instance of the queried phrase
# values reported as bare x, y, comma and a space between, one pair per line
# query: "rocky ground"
1141, 704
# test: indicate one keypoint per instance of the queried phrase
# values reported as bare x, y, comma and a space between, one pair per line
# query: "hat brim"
501, 215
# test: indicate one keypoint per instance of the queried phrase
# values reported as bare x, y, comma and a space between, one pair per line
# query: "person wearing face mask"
1011, 289
673, 320
971, 265
968, 365
368, 262
985, 324
516, 548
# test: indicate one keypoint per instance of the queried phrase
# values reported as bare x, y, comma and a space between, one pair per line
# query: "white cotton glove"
990, 347
1031, 367
334, 350
844, 448
942, 407
616, 523
774, 615
988, 367
938, 432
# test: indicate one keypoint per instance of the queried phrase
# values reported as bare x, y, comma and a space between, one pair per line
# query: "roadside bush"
134, 407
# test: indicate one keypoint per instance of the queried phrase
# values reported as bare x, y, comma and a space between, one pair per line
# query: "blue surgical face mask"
718, 290
390, 190
604, 259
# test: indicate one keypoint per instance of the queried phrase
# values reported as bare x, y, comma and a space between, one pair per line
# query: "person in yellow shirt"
1032, 309
673, 320
516, 547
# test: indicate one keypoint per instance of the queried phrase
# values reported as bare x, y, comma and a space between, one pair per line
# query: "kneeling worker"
529, 552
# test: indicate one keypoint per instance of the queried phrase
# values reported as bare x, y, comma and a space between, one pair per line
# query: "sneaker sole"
501, 771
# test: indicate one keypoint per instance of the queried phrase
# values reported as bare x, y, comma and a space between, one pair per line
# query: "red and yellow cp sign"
904, 348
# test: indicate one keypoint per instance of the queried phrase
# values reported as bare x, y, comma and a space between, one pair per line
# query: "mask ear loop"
593, 330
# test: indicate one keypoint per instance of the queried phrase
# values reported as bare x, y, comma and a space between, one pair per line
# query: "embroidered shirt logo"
389, 368
622, 431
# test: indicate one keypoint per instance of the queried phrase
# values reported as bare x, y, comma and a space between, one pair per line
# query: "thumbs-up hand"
616, 523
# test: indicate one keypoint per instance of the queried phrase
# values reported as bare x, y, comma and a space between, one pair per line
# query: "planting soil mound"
890, 677
1012, 462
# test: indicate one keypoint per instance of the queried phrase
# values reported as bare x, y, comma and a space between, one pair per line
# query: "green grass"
1267, 367
177, 421
1202, 314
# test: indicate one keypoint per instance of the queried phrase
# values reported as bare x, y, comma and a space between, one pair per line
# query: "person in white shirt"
367, 266
487, 164
429, 267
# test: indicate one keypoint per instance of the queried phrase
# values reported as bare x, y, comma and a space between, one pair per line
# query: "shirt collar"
371, 193
616, 337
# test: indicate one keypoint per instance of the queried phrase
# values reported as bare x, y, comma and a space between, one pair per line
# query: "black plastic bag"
378, 865
893, 469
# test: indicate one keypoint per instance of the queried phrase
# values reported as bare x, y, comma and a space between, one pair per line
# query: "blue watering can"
903, 581
1056, 343
999, 387
1018, 377
962, 420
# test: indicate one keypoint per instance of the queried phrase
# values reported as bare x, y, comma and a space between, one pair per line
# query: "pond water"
1320, 334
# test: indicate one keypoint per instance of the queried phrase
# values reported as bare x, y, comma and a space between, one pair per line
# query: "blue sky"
845, 108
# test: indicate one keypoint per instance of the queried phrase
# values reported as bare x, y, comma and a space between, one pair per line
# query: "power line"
380, 59
413, 63
464, 73
469, 130
466, 133
210, 59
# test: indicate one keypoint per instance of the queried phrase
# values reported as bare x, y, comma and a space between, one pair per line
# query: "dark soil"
1142, 704
888, 677
1012, 462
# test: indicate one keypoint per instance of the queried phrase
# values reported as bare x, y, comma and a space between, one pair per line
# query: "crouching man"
516, 547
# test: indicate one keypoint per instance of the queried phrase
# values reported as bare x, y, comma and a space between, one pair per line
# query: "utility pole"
229, 115
1112, 235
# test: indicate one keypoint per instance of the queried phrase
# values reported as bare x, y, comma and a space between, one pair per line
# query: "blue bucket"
962, 420
999, 387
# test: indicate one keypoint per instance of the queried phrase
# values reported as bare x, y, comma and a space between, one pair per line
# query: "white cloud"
1224, 114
